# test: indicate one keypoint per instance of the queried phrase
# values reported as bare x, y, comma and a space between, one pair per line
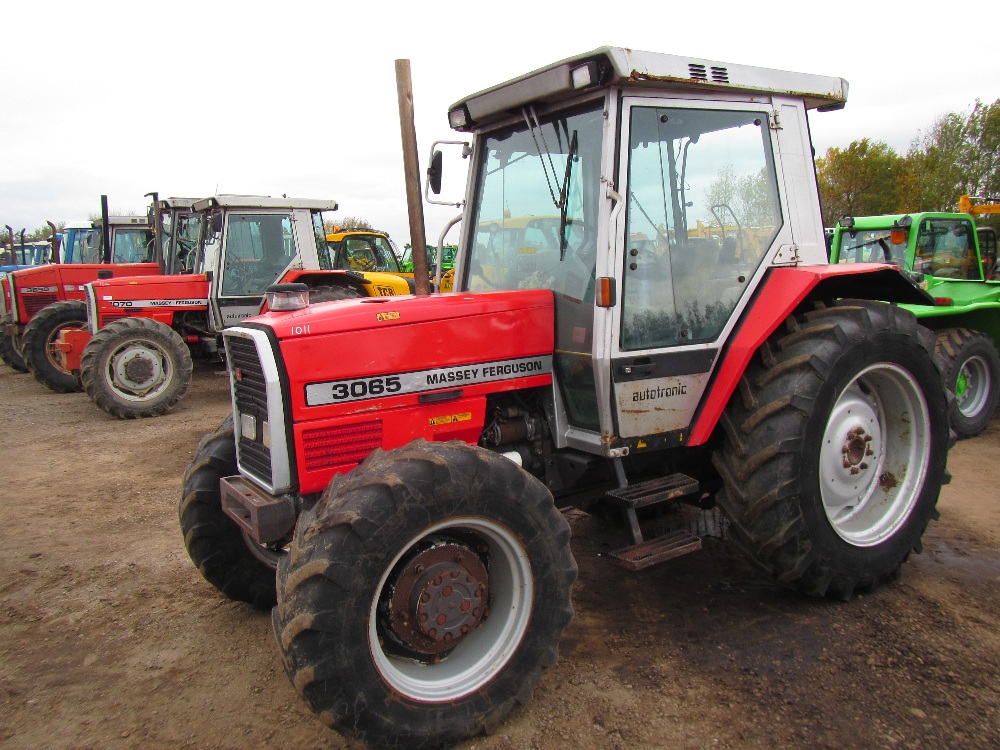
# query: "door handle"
637, 369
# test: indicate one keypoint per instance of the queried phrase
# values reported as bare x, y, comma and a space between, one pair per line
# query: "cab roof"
261, 201
605, 67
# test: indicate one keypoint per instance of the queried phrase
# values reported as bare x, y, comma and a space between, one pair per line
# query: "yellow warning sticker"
450, 419
387, 316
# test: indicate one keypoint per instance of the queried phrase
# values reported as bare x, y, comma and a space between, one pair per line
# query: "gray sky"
299, 98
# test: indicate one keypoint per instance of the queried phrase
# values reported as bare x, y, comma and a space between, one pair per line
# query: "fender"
782, 290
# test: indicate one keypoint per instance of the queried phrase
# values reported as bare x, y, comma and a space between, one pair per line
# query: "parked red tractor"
401, 462
39, 303
135, 357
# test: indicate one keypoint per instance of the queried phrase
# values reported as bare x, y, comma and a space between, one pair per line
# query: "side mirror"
434, 172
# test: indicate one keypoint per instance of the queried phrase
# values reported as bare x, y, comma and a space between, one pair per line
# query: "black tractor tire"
227, 558
835, 446
972, 372
11, 355
136, 367
39, 338
328, 292
428, 535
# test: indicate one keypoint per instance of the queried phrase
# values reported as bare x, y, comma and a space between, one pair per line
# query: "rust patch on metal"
888, 481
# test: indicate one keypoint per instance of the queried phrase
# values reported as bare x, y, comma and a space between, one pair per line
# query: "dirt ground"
110, 638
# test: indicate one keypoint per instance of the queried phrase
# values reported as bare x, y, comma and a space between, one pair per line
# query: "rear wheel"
972, 371
136, 367
39, 341
228, 559
835, 448
10, 353
424, 595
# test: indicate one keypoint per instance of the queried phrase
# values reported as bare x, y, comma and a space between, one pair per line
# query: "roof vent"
715, 74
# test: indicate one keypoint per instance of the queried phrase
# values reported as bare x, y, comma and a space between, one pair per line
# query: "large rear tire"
835, 448
424, 595
39, 339
227, 558
972, 372
136, 367
11, 355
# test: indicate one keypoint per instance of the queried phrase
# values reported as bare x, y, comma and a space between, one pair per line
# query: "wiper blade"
564, 196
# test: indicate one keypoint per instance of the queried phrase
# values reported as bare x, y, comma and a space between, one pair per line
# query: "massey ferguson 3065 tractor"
135, 357
402, 461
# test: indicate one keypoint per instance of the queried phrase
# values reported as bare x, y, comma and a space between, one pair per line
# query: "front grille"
327, 447
36, 302
250, 394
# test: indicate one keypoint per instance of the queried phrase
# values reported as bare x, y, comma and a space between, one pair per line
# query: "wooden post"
411, 170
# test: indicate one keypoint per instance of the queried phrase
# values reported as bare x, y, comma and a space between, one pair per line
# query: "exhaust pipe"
411, 172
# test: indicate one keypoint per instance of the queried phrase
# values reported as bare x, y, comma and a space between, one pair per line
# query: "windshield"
258, 248
532, 181
364, 252
872, 246
536, 215
133, 245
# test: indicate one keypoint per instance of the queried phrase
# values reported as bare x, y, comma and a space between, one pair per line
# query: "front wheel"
835, 448
136, 367
225, 555
39, 341
424, 595
972, 372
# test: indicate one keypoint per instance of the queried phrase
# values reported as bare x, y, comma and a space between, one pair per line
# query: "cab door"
703, 217
257, 247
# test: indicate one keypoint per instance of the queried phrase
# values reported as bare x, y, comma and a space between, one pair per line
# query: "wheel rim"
139, 370
972, 386
876, 448
435, 673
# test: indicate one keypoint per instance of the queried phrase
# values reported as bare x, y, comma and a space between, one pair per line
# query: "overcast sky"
299, 98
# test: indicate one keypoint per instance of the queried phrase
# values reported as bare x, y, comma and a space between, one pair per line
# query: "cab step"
666, 489
666, 547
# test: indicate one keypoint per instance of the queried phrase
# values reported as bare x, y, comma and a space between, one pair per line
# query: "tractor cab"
652, 214
131, 241
249, 242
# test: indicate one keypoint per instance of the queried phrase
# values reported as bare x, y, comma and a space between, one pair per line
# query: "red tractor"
401, 462
40, 303
135, 356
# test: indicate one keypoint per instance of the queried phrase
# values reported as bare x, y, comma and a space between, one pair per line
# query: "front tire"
424, 595
10, 354
972, 372
136, 367
835, 448
227, 558
39, 339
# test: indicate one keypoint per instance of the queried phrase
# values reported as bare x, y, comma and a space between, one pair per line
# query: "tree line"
959, 155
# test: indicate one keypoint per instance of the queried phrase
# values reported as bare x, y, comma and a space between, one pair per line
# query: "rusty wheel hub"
139, 370
439, 598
